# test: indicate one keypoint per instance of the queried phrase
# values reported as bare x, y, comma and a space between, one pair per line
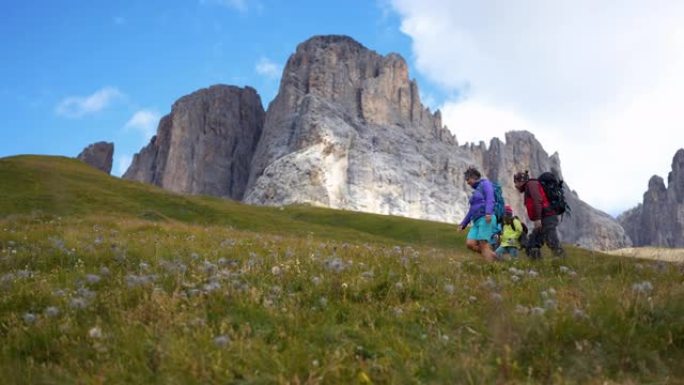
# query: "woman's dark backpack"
553, 188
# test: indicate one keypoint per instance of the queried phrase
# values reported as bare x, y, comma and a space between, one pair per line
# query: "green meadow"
106, 281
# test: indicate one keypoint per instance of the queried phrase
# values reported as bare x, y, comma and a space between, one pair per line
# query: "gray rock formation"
98, 155
584, 226
659, 220
205, 145
347, 130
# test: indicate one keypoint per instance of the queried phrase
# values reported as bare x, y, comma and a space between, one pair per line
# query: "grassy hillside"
67, 187
108, 281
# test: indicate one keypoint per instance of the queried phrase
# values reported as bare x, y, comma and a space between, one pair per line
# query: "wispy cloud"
144, 121
78, 106
240, 5
268, 68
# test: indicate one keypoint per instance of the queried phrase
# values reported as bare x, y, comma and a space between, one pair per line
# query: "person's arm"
466, 220
488, 190
537, 200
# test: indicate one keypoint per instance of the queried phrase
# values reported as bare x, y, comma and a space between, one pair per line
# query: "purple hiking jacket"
481, 202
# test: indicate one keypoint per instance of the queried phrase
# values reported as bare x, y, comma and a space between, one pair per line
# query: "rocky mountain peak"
98, 155
659, 220
205, 145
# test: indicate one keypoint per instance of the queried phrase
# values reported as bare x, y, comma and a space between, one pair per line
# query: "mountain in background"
659, 219
346, 130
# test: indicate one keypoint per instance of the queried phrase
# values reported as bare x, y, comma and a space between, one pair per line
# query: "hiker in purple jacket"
481, 214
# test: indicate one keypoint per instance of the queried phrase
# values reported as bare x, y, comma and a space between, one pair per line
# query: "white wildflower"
95, 332
93, 279
537, 311
52, 311
29, 318
221, 341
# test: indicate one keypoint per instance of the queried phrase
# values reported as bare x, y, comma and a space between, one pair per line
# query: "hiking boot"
559, 253
534, 253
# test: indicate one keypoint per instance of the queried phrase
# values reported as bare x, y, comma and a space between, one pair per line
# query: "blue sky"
599, 82
92, 71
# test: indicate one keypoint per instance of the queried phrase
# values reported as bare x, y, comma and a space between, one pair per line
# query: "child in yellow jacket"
510, 236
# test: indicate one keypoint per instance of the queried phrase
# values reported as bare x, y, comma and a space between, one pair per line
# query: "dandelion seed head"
644, 287
221, 341
449, 289
95, 332
520, 309
52, 311
537, 311
275, 270
29, 318
550, 304
78, 303
93, 279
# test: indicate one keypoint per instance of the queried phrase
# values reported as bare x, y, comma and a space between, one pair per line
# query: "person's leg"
473, 245
487, 252
513, 251
500, 252
550, 230
534, 244
485, 233
473, 236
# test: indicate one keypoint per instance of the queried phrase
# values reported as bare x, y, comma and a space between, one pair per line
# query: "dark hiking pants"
548, 234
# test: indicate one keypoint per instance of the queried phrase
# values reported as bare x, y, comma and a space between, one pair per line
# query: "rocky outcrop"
659, 220
347, 130
98, 155
584, 226
205, 145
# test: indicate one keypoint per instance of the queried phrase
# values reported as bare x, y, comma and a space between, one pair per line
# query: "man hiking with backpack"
481, 213
542, 212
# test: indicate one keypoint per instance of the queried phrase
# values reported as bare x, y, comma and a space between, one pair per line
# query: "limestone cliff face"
347, 130
659, 220
205, 145
585, 226
98, 155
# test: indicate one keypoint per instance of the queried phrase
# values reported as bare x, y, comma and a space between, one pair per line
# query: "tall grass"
208, 291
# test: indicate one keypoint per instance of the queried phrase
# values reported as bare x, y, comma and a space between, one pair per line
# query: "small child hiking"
513, 230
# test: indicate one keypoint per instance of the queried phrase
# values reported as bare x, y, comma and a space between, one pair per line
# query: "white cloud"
78, 106
144, 121
122, 164
268, 68
598, 81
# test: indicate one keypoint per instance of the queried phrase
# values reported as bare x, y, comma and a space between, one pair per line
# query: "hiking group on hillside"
495, 231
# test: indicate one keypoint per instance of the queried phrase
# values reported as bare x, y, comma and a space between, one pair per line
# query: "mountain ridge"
342, 121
